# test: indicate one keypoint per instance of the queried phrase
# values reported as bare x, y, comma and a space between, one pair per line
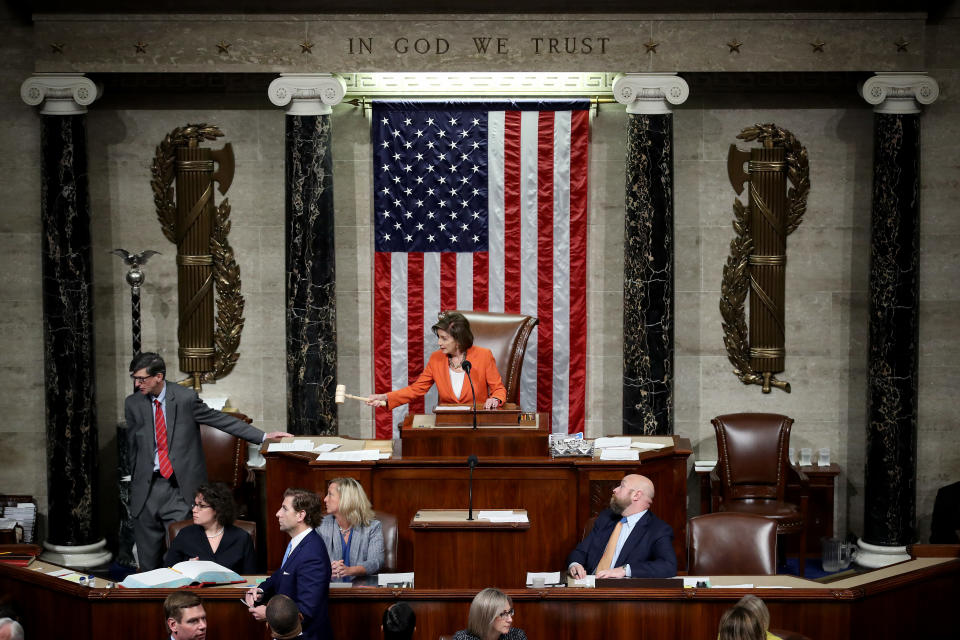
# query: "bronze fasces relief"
758, 252
184, 174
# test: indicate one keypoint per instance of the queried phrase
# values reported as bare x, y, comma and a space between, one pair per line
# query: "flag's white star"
386, 214
430, 145
453, 168
396, 156
464, 156
453, 238
430, 191
476, 238
476, 191
419, 179
443, 226
453, 122
408, 191
453, 144
396, 133
464, 226
396, 225
463, 133
453, 214
385, 144
429, 168
386, 236
475, 122
407, 168
419, 133
443, 203
431, 215
465, 180
419, 203
430, 237
442, 180
385, 167
453, 191
396, 203
419, 226
430, 121
408, 214
476, 215
396, 179
419, 156
409, 237
476, 145
464, 204
385, 121
441, 134
476, 168
407, 121
386, 191
407, 144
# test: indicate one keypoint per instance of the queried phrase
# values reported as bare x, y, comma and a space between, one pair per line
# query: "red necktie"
166, 469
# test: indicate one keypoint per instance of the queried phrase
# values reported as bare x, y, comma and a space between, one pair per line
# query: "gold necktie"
607, 559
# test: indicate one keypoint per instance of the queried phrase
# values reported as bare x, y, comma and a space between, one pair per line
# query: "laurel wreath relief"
736, 275
226, 271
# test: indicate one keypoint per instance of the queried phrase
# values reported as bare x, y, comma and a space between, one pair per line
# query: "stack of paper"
26, 514
619, 454
616, 441
502, 516
386, 579
548, 578
352, 456
296, 445
704, 465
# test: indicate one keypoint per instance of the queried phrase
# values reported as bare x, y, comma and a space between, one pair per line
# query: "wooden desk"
560, 494
452, 552
913, 600
420, 437
819, 506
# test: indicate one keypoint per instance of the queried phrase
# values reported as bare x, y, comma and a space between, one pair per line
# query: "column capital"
307, 94
650, 93
899, 92
62, 94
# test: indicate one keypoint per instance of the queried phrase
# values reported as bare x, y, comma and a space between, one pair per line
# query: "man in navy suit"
627, 540
304, 574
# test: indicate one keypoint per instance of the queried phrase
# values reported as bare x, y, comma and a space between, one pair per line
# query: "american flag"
483, 206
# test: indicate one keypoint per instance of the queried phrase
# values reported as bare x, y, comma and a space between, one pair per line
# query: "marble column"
890, 520
648, 306
311, 319
67, 288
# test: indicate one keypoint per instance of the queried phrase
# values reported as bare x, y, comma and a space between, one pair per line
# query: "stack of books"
25, 514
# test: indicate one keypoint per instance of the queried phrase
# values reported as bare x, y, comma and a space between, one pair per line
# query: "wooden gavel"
341, 393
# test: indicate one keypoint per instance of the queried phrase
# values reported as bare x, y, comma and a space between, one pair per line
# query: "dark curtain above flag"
482, 205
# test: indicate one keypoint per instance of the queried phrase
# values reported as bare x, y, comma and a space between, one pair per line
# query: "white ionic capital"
650, 93
62, 94
307, 94
899, 92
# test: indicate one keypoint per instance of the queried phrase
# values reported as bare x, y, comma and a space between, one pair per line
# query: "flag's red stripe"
579, 145
381, 339
415, 359
481, 281
545, 125
448, 281
511, 206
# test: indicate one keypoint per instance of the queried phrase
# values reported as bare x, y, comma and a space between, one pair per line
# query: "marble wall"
826, 275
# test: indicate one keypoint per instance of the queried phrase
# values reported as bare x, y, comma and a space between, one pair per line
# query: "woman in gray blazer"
353, 538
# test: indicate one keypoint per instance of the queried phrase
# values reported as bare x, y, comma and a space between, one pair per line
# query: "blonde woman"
491, 618
756, 606
354, 540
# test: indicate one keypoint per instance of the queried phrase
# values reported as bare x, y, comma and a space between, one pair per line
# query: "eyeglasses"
200, 505
142, 379
505, 614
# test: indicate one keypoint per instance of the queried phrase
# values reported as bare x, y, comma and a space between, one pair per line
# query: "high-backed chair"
226, 456
175, 527
752, 471
506, 335
731, 544
388, 524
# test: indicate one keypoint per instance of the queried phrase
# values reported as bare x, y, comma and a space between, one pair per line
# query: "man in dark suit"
304, 573
627, 540
166, 456
184, 616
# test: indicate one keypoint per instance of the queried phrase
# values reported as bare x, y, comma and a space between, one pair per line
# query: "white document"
296, 445
617, 441
619, 454
732, 586
548, 577
647, 445
384, 579
326, 446
705, 463
454, 407
586, 581
509, 516
349, 456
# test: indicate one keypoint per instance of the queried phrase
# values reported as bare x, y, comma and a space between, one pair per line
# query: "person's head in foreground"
185, 617
491, 614
10, 629
283, 617
399, 621
740, 623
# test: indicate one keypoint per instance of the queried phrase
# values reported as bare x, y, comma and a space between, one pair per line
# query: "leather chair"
506, 335
388, 524
731, 544
226, 456
175, 527
752, 471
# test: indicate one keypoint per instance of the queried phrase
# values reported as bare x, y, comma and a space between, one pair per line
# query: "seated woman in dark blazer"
490, 618
212, 535
353, 538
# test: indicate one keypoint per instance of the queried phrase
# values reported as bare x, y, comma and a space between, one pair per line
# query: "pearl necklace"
216, 535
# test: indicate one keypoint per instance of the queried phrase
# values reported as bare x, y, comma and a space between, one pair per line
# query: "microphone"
472, 461
466, 366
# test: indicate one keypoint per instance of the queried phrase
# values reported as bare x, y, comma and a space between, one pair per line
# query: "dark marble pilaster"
648, 277
891, 439
311, 295
310, 265
72, 448
648, 305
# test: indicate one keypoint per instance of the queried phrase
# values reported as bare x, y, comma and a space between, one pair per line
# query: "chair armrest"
716, 489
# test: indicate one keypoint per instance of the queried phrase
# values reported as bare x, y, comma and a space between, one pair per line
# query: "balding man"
627, 540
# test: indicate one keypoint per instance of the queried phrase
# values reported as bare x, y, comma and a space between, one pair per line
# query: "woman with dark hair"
445, 369
490, 618
741, 623
212, 536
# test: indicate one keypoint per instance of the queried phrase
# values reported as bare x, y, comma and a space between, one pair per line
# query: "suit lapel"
171, 412
634, 538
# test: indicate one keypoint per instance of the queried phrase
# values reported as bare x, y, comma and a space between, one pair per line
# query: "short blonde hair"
354, 504
756, 606
484, 609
